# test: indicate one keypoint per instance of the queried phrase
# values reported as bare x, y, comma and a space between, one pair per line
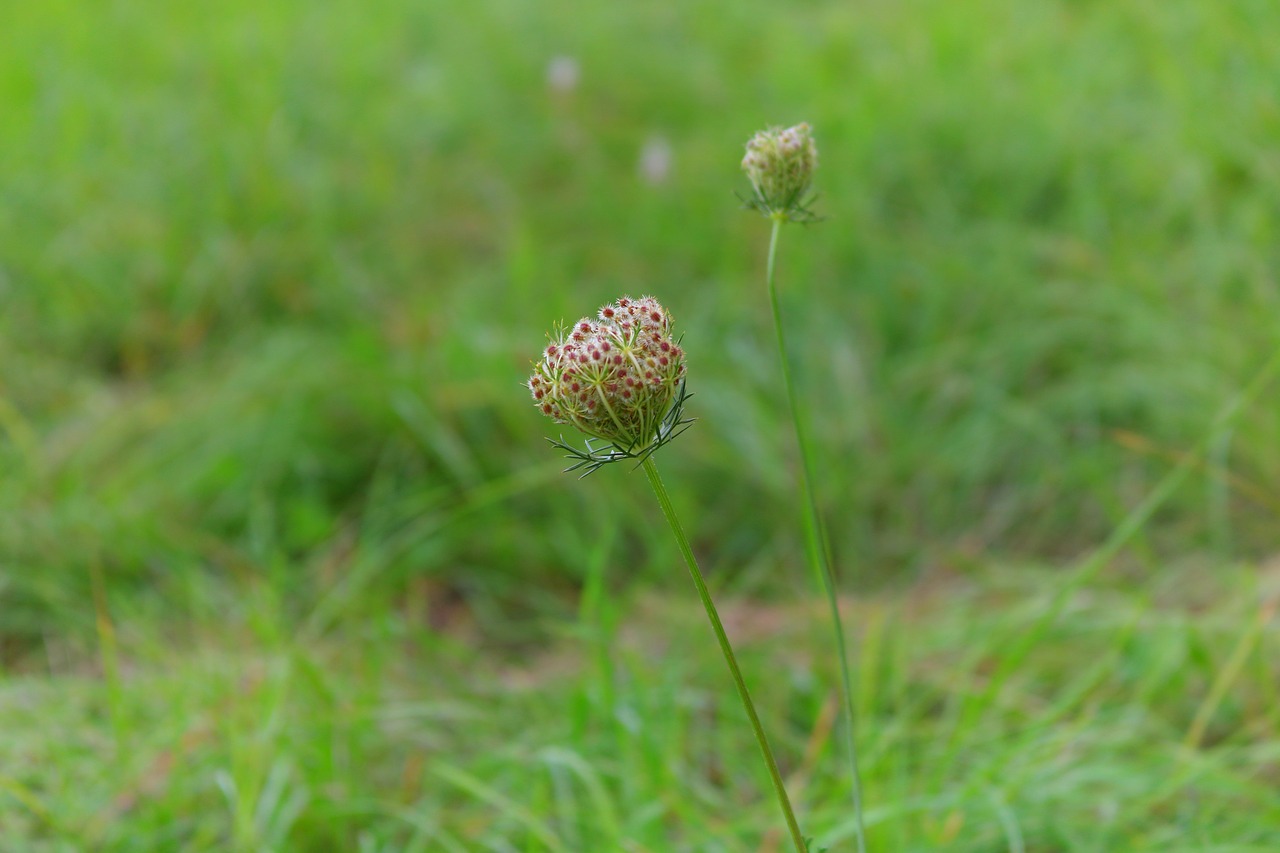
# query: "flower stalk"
775, 776
780, 164
621, 380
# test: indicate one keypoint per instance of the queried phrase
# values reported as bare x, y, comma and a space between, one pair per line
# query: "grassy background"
278, 525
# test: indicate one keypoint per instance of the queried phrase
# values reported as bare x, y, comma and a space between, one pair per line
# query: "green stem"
815, 541
664, 501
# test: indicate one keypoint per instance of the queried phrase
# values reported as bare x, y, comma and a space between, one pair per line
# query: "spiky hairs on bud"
615, 377
780, 163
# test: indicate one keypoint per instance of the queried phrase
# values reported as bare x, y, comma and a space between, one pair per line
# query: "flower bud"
780, 165
613, 377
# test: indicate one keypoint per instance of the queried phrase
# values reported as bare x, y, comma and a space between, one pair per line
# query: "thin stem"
815, 540
664, 501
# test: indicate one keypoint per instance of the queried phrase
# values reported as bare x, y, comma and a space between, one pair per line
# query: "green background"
278, 522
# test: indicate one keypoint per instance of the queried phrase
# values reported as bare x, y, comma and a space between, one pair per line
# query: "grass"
1145, 720
279, 532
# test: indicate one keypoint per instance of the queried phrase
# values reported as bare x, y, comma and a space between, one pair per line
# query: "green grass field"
287, 565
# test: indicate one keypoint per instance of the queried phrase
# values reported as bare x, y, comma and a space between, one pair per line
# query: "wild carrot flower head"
780, 163
618, 377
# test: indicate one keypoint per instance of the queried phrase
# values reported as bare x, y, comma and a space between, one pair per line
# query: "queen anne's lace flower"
780, 165
614, 377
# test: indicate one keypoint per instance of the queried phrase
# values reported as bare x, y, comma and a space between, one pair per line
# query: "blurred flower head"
562, 74
619, 378
655, 160
779, 163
